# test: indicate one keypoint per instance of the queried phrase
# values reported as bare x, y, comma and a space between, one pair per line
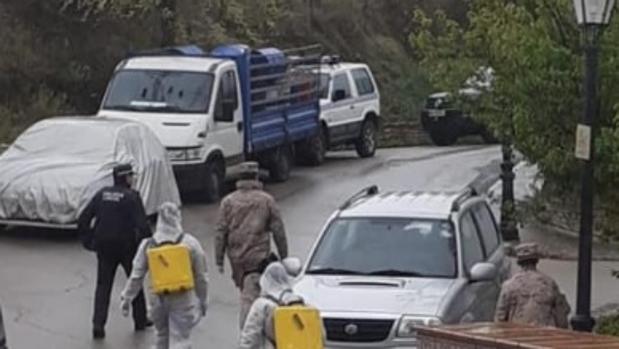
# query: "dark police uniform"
120, 223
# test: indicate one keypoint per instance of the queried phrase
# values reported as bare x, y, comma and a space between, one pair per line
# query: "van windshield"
160, 91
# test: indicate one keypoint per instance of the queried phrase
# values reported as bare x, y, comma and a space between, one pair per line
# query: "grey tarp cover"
56, 166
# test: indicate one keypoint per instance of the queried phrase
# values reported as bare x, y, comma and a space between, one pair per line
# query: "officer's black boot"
98, 333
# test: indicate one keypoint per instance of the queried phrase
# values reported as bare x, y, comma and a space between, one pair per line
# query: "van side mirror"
481, 272
225, 112
339, 95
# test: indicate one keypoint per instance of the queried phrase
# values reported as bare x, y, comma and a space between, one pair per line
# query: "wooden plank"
510, 336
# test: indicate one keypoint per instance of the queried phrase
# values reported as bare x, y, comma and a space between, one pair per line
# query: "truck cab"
214, 111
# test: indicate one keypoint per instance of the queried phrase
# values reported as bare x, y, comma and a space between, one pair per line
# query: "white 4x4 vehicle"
388, 262
350, 108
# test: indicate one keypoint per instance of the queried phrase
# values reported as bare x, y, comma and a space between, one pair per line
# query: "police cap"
123, 170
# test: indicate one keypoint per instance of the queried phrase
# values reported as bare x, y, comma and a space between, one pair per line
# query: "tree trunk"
167, 10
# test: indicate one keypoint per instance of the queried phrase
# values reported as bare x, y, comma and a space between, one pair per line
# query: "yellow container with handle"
170, 268
298, 327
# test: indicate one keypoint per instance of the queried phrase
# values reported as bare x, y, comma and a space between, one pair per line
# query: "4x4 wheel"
488, 137
315, 149
214, 179
444, 138
366, 144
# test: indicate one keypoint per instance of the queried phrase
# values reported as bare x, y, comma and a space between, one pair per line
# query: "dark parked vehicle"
444, 118
445, 122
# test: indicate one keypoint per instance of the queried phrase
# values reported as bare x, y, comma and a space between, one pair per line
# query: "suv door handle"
352, 106
239, 126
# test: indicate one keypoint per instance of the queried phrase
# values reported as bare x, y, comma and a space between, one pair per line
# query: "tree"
536, 100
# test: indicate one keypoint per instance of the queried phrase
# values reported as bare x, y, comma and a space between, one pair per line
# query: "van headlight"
176, 154
194, 153
409, 324
185, 154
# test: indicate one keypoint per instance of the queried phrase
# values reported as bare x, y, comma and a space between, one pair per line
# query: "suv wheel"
316, 149
366, 144
488, 137
443, 138
214, 178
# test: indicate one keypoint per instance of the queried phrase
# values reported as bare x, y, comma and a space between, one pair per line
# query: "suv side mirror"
339, 95
483, 272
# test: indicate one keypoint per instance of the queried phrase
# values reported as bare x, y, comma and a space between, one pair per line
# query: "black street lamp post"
509, 227
592, 16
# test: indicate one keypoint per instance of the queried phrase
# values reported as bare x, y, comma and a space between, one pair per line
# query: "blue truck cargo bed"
280, 98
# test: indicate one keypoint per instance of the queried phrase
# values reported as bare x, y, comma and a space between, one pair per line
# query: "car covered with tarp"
55, 167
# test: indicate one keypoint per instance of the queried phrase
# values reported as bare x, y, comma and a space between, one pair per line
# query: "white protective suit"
174, 315
275, 284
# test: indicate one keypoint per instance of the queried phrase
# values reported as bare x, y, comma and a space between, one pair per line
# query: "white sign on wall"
583, 142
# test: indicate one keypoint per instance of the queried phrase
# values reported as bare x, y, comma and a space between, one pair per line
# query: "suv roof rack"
331, 59
464, 195
368, 191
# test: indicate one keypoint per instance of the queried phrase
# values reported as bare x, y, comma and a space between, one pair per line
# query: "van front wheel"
214, 178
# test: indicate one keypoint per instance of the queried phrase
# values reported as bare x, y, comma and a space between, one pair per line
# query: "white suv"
388, 262
350, 109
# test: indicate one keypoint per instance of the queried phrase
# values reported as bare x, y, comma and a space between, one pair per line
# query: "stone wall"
402, 134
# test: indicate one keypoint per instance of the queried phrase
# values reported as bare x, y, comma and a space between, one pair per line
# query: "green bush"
608, 325
44, 103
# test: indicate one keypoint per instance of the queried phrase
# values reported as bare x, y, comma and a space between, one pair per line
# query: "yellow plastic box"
170, 269
298, 327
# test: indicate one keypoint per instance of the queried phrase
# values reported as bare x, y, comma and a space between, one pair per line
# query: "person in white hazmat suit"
276, 287
174, 315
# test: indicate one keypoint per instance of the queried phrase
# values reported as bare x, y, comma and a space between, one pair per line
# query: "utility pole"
167, 11
592, 16
509, 226
310, 11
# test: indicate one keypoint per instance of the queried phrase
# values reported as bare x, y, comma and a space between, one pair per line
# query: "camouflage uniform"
247, 218
530, 297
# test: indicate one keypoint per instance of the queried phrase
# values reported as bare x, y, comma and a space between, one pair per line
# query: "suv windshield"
387, 247
160, 91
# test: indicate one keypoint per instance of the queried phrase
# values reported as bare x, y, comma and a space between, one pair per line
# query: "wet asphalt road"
47, 280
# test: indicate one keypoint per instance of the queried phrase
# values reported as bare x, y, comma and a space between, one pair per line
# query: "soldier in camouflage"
531, 297
247, 219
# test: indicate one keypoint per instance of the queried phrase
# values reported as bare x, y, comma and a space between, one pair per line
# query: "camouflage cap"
250, 168
527, 251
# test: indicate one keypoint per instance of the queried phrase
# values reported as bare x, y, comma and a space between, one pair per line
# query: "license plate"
437, 113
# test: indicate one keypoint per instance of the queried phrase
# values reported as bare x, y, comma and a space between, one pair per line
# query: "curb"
605, 249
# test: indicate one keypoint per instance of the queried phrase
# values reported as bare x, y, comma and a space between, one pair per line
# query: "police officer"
247, 219
531, 297
112, 225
